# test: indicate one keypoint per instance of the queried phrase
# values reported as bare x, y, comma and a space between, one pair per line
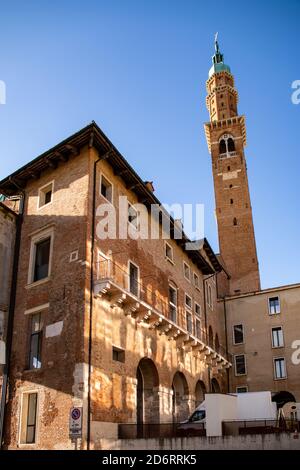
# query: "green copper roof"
218, 60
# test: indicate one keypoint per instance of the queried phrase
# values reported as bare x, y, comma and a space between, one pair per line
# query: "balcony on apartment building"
146, 304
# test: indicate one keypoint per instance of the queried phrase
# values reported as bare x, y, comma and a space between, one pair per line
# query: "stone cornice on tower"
222, 125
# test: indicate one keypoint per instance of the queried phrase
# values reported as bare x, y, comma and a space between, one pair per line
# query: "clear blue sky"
138, 68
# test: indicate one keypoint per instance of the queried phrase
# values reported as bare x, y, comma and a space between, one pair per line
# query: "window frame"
269, 310
185, 264
235, 367
137, 227
35, 240
233, 336
120, 351
41, 192
167, 245
195, 275
198, 322
38, 333
102, 175
187, 305
196, 314
285, 367
138, 279
272, 342
171, 304
189, 313
23, 419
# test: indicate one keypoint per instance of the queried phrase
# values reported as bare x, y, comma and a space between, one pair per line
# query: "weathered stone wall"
248, 442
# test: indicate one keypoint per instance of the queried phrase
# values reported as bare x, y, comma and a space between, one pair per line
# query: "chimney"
149, 186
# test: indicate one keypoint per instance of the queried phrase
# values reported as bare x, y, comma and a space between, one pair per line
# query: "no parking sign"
76, 422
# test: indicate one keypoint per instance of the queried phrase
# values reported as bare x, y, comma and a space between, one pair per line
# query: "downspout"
205, 322
226, 341
11, 311
103, 157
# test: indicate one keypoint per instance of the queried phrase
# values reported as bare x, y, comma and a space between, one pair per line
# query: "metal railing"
159, 430
259, 426
150, 294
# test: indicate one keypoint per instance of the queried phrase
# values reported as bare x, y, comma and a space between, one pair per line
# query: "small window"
28, 418
36, 333
196, 281
42, 257
133, 218
106, 188
240, 364
274, 305
228, 168
173, 303
45, 195
198, 328
186, 271
118, 354
242, 389
238, 334
189, 322
197, 310
277, 337
133, 279
279, 368
169, 252
231, 201
235, 221
188, 302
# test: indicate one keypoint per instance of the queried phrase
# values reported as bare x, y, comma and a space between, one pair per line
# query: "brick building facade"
130, 329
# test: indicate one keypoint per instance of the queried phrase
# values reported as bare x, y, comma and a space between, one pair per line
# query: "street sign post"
75, 422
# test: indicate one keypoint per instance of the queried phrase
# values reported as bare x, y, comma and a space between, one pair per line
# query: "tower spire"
218, 60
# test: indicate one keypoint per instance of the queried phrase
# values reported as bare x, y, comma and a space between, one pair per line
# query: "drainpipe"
205, 322
11, 311
226, 341
103, 157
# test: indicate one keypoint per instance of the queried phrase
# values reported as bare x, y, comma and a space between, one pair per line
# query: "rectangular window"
189, 322
198, 328
279, 368
133, 279
196, 281
173, 304
274, 305
118, 354
133, 218
106, 188
277, 337
45, 194
29, 418
169, 252
188, 302
242, 389
238, 334
41, 259
240, 364
35, 350
186, 271
197, 310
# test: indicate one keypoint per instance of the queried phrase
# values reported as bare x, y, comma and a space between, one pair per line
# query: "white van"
196, 421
